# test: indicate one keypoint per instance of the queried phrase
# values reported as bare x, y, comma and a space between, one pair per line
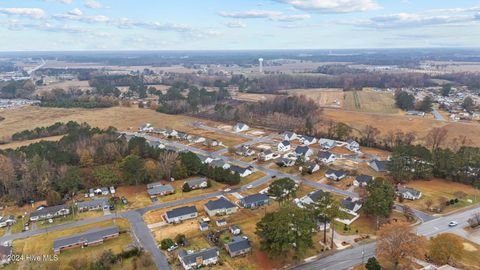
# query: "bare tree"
370, 134
166, 161
436, 137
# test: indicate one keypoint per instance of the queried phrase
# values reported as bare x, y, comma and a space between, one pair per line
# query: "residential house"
93, 205
303, 151
235, 230
243, 172
326, 157
160, 190
182, 136
154, 184
254, 201
50, 212
195, 260
285, 162
327, 144
221, 222
212, 143
266, 155
362, 180
105, 191
290, 136
416, 113
312, 197
219, 163
409, 193
244, 150
335, 174
284, 146
156, 144
91, 237
7, 221
170, 133
353, 146
5, 255
350, 205
205, 159
197, 139
221, 206
203, 226
238, 246
197, 183
378, 165
307, 140
147, 127
180, 214
310, 167
239, 127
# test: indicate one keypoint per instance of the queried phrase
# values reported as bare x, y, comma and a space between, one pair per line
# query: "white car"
452, 224
249, 186
228, 190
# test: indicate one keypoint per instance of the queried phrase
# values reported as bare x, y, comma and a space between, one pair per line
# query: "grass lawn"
43, 245
69, 218
136, 195
179, 194
252, 177
437, 188
370, 101
365, 224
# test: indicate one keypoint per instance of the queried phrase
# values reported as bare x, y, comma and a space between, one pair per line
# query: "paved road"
424, 217
353, 256
437, 115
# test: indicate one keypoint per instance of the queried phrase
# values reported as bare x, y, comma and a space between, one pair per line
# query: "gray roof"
218, 163
302, 150
238, 243
289, 134
89, 236
93, 203
337, 173
363, 178
412, 191
221, 203
348, 203
259, 197
160, 189
49, 210
238, 169
324, 154
285, 143
181, 211
191, 258
5, 250
380, 164
315, 195
154, 184
308, 138
196, 182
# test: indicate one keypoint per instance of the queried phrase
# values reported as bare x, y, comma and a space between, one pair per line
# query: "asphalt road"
437, 115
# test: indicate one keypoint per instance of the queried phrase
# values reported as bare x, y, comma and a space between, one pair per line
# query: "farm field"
16, 144
391, 122
324, 97
253, 97
370, 101
43, 244
437, 188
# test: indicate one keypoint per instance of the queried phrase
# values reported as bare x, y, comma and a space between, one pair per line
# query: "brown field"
370, 101
324, 97
43, 245
83, 85
436, 188
385, 123
14, 145
253, 97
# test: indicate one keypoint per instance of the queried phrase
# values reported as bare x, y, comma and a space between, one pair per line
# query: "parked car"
452, 224
228, 190
249, 186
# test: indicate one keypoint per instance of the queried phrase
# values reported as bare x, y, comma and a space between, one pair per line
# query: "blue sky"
42, 25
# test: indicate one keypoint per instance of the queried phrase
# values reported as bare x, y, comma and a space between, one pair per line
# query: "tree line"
56, 129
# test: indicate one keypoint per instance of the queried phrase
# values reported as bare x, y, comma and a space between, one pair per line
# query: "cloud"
61, 1
264, 14
402, 20
15, 25
33, 13
93, 4
332, 6
75, 12
77, 15
235, 24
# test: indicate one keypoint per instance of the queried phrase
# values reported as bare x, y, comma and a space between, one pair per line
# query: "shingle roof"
238, 169
221, 203
363, 178
191, 258
196, 182
302, 150
160, 189
181, 211
324, 154
154, 184
348, 203
259, 197
238, 244
285, 143
413, 191
381, 164
93, 203
48, 210
315, 195
337, 173
89, 236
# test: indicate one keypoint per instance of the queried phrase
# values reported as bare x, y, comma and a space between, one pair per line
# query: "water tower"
260, 65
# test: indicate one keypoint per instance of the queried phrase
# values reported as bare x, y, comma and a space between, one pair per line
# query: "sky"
79, 25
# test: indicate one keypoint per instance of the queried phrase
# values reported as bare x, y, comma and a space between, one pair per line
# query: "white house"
326, 157
147, 127
310, 167
303, 151
290, 136
362, 180
327, 144
267, 155
306, 140
284, 146
239, 127
350, 205
409, 193
335, 174
352, 146
195, 260
244, 150
243, 172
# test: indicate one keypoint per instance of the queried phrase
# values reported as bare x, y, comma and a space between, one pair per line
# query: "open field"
370, 101
253, 97
324, 97
83, 85
43, 244
392, 122
437, 188
14, 145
